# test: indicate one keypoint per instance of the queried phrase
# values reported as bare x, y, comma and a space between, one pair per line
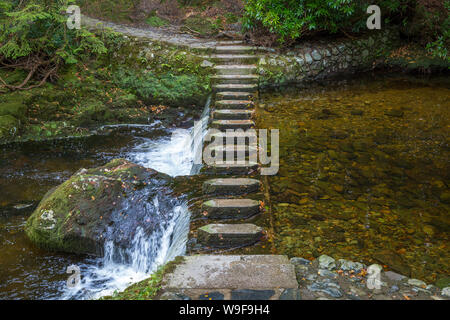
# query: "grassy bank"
134, 82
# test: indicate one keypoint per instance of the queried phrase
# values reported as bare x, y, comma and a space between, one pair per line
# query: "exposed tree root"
38, 68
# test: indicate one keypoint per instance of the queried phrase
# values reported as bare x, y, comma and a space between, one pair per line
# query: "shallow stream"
364, 172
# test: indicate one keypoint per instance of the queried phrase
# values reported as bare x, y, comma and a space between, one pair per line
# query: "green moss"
84, 197
167, 88
92, 111
13, 105
111, 10
8, 126
204, 26
443, 282
156, 21
56, 208
147, 289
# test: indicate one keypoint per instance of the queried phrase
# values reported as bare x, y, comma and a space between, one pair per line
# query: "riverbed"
364, 172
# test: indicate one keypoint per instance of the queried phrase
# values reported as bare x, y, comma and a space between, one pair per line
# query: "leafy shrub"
432, 26
291, 19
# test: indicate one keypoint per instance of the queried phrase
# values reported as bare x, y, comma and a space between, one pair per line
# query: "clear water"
364, 172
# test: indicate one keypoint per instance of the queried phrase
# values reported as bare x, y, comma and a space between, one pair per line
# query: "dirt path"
170, 36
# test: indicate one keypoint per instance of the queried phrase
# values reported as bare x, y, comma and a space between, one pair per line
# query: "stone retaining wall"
320, 59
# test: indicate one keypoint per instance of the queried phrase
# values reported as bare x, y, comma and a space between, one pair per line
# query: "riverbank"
152, 75
138, 81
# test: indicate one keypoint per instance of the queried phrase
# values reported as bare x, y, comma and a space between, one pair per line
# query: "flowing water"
364, 172
29, 171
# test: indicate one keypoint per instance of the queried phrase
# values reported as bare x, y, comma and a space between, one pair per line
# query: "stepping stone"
232, 114
236, 87
233, 58
233, 95
234, 104
235, 137
231, 208
230, 43
231, 186
235, 79
234, 276
235, 49
235, 69
232, 124
229, 235
234, 149
236, 168
247, 294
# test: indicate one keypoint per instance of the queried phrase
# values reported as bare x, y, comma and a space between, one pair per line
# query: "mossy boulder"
109, 203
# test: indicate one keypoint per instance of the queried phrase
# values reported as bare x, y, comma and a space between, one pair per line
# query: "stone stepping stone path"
230, 276
235, 87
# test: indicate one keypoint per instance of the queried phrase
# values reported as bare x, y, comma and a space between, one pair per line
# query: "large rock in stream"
109, 203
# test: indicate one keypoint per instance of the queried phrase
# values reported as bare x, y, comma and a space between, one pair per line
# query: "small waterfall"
120, 267
175, 155
148, 251
198, 133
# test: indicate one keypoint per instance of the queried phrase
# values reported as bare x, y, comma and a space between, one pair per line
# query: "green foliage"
39, 27
292, 19
440, 46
